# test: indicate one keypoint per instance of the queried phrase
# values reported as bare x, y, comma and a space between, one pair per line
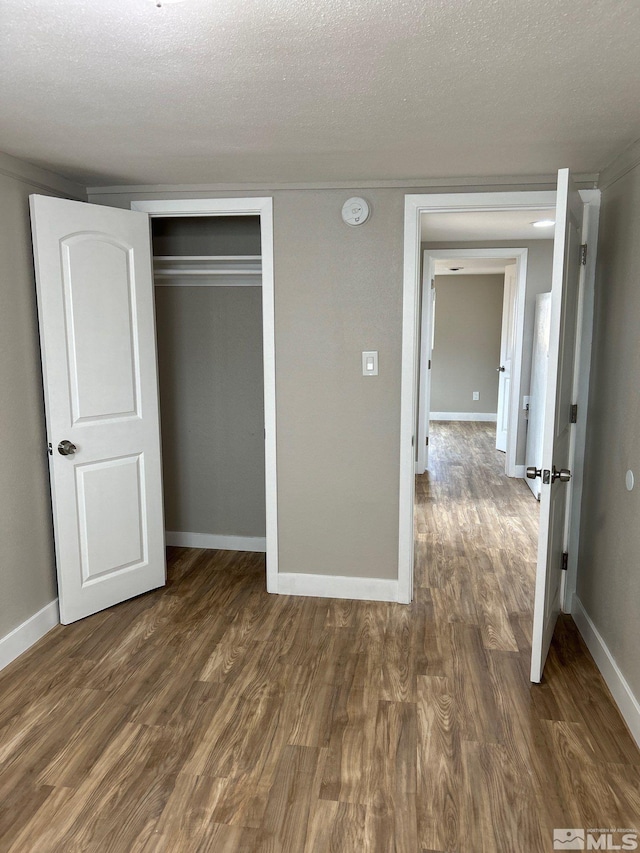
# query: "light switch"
370, 363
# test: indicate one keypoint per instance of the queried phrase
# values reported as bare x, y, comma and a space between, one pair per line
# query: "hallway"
504, 762
211, 717
476, 536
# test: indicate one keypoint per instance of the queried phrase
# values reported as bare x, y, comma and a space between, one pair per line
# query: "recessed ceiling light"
544, 223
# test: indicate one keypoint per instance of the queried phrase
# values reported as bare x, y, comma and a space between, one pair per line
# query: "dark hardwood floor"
211, 716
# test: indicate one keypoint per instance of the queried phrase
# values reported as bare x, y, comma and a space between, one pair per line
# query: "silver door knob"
66, 448
501, 369
564, 475
533, 472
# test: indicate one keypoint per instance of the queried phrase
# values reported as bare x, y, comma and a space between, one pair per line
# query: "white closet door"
97, 331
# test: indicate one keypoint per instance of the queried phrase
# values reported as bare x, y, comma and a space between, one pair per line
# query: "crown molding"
620, 165
39, 178
584, 181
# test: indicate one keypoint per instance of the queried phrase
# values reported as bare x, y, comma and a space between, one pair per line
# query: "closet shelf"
207, 270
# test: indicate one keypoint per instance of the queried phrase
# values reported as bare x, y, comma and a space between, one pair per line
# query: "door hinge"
429, 368
427, 441
573, 414
583, 254
565, 561
50, 449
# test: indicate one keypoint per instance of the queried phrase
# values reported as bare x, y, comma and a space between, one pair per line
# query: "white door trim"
520, 255
581, 376
414, 206
262, 207
426, 321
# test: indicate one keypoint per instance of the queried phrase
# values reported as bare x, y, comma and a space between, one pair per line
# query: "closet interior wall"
209, 329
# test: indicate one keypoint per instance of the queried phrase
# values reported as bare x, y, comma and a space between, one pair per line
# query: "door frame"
415, 205
520, 255
262, 207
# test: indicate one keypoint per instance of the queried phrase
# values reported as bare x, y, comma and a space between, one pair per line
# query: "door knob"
533, 472
564, 475
66, 448
501, 369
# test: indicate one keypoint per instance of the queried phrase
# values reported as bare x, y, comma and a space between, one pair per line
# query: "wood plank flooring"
210, 716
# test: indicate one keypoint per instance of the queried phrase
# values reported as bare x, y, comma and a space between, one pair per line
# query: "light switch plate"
370, 363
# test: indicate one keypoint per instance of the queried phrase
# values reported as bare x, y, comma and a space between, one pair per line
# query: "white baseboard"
463, 416
212, 540
627, 703
328, 586
24, 636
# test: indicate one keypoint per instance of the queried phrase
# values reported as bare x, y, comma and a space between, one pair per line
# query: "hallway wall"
467, 343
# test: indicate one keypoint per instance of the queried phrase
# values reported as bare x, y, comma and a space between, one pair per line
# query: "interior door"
556, 444
507, 343
426, 351
97, 334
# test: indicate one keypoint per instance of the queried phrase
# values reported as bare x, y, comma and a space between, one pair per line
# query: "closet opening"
209, 326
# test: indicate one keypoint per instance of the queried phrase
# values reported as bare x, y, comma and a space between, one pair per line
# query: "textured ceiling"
121, 91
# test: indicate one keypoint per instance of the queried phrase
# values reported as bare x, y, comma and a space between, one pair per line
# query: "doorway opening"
213, 277
572, 294
475, 375
207, 277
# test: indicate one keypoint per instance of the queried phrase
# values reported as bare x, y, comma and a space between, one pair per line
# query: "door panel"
556, 444
97, 331
99, 294
113, 487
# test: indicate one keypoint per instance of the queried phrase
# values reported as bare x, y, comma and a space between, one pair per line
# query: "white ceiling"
472, 266
485, 225
121, 91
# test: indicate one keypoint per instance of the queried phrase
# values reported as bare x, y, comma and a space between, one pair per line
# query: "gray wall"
27, 571
608, 582
338, 291
539, 263
467, 343
206, 235
212, 408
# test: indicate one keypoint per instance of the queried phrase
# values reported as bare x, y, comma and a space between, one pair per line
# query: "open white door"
507, 346
426, 350
97, 334
556, 445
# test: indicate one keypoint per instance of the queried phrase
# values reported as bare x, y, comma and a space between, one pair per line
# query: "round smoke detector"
355, 211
